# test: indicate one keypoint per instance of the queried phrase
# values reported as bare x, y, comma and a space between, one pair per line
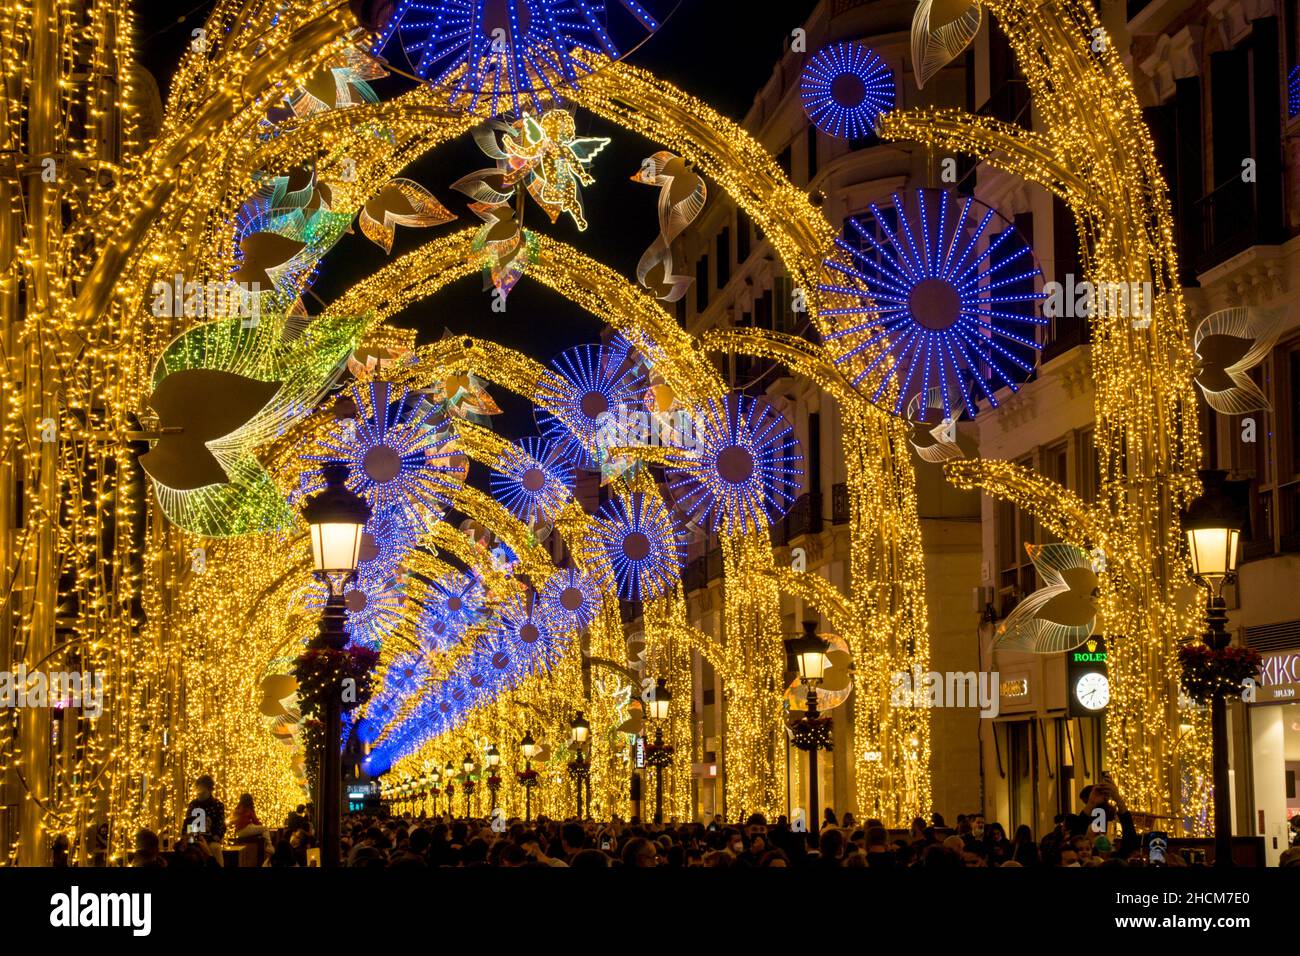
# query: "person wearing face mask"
977, 826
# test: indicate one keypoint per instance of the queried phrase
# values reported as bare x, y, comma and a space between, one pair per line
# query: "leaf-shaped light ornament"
941, 29
935, 437
341, 83
682, 194
1228, 344
299, 357
400, 202
1062, 614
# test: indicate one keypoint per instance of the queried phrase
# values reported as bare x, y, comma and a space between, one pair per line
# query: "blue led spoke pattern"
400, 454
522, 643
587, 382
375, 606
569, 600
496, 56
845, 87
534, 487
636, 548
452, 603
744, 469
388, 537
936, 291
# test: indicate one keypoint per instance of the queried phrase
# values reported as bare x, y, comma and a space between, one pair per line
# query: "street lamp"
493, 759
449, 773
1213, 524
337, 518
580, 769
811, 733
528, 747
468, 766
658, 755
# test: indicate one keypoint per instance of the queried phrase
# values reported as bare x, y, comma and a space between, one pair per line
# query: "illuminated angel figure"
744, 470
553, 160
398, 451
636, 548
533, 480
1060, 615
570, 599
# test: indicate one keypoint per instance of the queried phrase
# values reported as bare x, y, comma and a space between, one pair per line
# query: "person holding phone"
1103, 803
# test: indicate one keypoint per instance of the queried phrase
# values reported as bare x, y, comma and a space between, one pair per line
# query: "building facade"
1220, 86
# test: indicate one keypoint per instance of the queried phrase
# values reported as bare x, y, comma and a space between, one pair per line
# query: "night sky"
720, 50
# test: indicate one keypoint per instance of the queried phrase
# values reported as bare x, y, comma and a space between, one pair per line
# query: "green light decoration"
305, 357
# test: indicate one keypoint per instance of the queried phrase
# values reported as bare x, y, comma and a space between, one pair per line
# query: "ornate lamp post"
468, 766
1213, 526
434, 778
528, 779
659, 755
580, 769
449, 774
812, 732
337, 518
493, 758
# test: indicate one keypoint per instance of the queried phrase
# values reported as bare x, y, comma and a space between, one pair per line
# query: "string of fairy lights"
187, 631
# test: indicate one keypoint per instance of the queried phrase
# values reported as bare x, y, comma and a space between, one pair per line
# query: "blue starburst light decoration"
534, 485
936, 291
636, 547
570, 599
400, 453
509, 55
532, 643
588, 381
451, 604
742, 472
845, 87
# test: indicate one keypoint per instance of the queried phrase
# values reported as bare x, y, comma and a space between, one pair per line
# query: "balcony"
1232, 221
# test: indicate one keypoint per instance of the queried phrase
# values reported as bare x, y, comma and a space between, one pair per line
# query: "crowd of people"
1100, 834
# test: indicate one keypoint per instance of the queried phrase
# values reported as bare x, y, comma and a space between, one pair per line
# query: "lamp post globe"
1213, 523
336, 518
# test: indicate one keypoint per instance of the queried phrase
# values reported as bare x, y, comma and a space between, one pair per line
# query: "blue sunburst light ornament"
935, 291
533, 480
570, 599
845, 87
533, 644
743, 469
400, 452
492, 56
388, 537
452, 603
587, 381
636, 547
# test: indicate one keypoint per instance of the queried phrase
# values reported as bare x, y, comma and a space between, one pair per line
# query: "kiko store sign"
1279, 678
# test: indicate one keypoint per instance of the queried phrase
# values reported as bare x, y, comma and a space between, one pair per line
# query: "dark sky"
720, 50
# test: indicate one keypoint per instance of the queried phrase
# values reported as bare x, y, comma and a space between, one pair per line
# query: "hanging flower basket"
321, 671
528, 778
1207, 672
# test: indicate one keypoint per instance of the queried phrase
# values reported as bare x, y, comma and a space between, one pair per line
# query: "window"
1056, 466
812, 152
723, 257
744, 235
1015, 529
702, 284
1089, 466
785, 318
783, 160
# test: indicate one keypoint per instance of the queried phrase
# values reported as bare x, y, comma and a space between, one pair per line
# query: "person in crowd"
148, 853
879, 855
244, 824
996, 845
206, 815
1103, 805
1023, 848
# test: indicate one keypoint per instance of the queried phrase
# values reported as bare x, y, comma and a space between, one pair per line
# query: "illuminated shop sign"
1279, 678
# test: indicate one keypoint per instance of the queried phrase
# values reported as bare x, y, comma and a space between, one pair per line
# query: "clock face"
1093, 690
